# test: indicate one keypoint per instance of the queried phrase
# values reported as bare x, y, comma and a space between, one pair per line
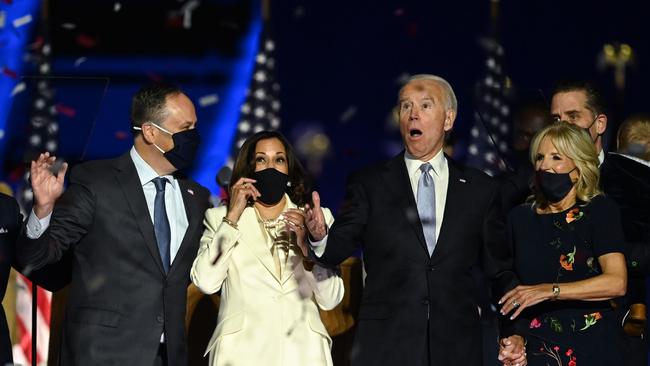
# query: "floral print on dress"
566, 260
591, 319
574, 215
558, 356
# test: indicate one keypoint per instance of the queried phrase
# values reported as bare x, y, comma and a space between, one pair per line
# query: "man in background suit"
132, 227
424, 221
10, 223
580, 103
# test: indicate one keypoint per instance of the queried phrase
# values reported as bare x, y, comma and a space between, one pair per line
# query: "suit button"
160, 319
425, 302
431, 267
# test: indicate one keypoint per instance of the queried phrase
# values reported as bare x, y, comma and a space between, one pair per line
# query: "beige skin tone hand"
295, 219
512, 351
46, 186
240, 193
315, 219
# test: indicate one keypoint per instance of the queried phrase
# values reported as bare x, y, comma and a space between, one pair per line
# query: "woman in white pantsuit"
254, 251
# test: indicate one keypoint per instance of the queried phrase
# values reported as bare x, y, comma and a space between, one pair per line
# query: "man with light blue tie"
131, 226
423, 221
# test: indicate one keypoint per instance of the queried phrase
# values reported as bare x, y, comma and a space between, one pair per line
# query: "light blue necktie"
161, 223
427, 206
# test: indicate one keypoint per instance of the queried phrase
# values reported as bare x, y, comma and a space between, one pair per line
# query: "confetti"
3, 17
79, 61
121, 135
348, 114
25, 19
9, 72
2, 134
20, 87
187, 10
65, 110
68, 26
208, 100
117, 6
86, 41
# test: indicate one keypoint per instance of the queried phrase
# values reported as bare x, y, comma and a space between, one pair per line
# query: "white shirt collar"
413, 165
145, 172
638, 160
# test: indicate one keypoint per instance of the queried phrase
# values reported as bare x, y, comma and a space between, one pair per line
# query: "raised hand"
240, 193
315, 219
46, 186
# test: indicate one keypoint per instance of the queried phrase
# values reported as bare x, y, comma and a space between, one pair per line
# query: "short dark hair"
245, 165
148, 104
594, 102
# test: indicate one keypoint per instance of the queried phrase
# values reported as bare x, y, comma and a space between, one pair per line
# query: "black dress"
564, 247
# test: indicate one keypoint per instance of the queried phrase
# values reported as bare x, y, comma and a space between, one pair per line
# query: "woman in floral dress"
568, 255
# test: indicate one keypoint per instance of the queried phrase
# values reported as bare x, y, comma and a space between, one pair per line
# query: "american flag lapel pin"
190, 191
462, 180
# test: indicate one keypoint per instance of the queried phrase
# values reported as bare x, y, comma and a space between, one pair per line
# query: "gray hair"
452, 102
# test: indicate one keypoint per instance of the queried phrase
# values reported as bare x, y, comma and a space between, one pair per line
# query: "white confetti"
68, 26
117, 6
20, 87
79, 61
25, 19
187, 10
209, 99
348, 114
2, 134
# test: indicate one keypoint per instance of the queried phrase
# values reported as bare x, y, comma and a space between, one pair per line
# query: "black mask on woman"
554, 186
272, 185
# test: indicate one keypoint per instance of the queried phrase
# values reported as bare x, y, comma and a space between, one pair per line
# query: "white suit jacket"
262, 320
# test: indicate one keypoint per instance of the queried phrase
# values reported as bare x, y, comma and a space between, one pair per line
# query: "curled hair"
245, 165
574, 143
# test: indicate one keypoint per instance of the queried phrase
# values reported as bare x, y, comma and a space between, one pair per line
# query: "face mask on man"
186, 144
272, 185
554, 186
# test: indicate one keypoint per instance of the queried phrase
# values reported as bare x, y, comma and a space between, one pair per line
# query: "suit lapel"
128, 180
398, 183
255, 240
194, 220
453, 209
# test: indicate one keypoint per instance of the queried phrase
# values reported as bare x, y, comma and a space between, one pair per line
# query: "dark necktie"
427, 206
161, 223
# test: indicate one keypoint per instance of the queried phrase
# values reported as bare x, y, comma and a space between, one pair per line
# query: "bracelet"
556, 291
229, 222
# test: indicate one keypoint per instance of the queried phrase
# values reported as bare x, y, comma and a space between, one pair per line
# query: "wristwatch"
556, 291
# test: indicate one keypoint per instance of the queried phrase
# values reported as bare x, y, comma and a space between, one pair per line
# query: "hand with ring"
240, 192
295, 219
522, 297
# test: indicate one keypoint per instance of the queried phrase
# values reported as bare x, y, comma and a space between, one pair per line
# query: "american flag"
43, 136
260, 111
489, 137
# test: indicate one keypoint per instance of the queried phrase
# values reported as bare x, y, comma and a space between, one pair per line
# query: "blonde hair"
574, 143
635, 131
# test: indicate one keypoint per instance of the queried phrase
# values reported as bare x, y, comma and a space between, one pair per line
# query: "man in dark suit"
132, 227
423, 221
580, 103
10, 223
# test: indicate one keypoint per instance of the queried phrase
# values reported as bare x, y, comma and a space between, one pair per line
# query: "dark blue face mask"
272, 185
186, 144
554, 186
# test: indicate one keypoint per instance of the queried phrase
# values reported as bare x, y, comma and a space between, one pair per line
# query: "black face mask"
272, 185
554, 186
186, 143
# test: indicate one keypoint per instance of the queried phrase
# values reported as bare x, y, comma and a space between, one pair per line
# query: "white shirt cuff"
35, 226
318, 247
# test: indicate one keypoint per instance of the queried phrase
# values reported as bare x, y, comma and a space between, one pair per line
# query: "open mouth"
415, 132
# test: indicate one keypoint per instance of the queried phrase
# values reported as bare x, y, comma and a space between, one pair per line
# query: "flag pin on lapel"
462, 180
190, 192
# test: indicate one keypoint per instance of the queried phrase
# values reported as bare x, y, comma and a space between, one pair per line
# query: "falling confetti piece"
207, 100
3, 17
65, 110
187, 10
25, 19
117, 6
9, 72
86, 41
20, 87
121, 135
79, 61
399, 12
348, 114
68, 26
8, 2
2, 134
